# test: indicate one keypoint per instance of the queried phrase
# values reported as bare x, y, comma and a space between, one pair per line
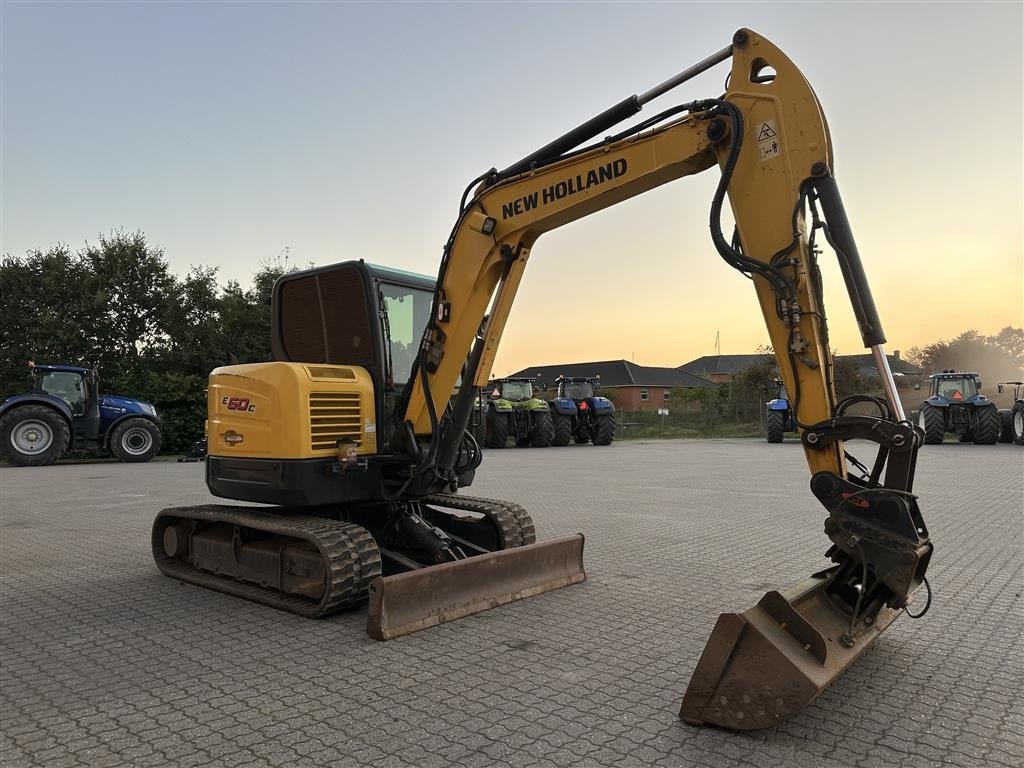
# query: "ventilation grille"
334, 416
331, 373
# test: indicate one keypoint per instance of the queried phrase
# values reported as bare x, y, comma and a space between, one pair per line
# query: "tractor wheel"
989, 422
135, 440
543, 431
562, 429
1005, 425
582, 436
604, 430
966, 437
33, 436
933, 422
1018, 422
497, 430
776, 426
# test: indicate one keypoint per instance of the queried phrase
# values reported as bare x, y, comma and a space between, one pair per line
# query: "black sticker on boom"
565, 188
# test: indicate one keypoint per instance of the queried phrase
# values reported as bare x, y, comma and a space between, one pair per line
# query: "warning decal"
767, 140
767, 132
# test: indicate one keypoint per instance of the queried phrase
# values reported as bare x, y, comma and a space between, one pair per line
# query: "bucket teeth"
766, 664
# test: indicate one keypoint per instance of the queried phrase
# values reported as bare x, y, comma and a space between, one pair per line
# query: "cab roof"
955, 375
61, 368
390, 274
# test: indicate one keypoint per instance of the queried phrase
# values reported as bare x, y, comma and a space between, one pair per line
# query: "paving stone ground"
105, 662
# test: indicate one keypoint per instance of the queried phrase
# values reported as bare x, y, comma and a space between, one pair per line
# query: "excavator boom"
769, 137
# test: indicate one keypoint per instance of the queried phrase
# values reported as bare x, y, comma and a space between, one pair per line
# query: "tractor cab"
577, 387
75, 385
513, 390
955, 386
776, 391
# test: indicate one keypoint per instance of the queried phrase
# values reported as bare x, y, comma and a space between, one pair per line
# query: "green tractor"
511, 410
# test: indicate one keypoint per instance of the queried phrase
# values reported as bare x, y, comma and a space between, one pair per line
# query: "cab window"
949, 388
68, 387
406, 311
578, 390
516, 391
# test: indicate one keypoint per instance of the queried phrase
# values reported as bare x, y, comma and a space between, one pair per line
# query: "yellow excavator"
357, 432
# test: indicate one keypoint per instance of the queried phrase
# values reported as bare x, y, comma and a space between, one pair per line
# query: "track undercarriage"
316, 564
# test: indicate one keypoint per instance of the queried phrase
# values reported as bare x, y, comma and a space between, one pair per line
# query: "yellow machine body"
290, 411
279, 433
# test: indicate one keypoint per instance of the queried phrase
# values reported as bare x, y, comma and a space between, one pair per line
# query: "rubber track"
515, 526
525, 520
349, 551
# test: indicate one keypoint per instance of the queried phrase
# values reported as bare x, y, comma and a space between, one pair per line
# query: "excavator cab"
356, 314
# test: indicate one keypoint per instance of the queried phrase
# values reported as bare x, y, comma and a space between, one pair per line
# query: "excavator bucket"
414, 600
769, 662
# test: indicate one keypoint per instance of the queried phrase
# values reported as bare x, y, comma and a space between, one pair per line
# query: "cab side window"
68, 387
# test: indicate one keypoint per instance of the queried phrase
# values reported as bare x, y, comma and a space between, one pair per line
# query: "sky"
233, 133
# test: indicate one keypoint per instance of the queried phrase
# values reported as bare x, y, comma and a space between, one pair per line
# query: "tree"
43, 313
998, 357
130, 290
194, 340
116, 305
847, 379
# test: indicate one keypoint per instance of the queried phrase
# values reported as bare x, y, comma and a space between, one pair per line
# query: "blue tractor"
955, 405
778, 413
65, 411
580, 414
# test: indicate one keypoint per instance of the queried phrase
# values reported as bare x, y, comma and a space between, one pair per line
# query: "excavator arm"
769, 137
770, 140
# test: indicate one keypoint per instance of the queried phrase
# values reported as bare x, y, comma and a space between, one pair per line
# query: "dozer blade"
769, 662
415, 600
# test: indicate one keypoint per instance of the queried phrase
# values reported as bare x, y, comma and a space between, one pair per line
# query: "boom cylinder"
610, 117
841, 238
588, 130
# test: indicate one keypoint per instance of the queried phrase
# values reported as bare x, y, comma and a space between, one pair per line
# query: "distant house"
633, 387
723, 368
866, 366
